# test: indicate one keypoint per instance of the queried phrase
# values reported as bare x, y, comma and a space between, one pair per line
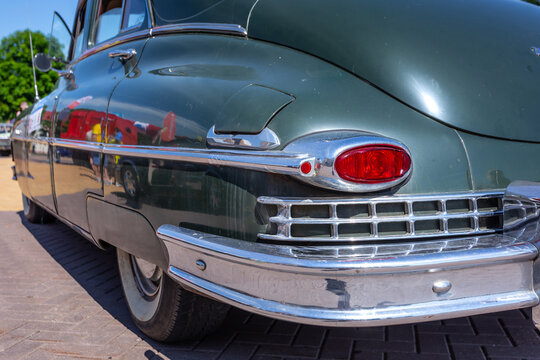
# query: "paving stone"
467, 352
336, 348
19, 350
385, 346
239, 351
430, 343
310, 336
288, 351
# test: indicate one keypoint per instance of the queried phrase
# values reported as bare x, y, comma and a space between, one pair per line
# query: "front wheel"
34, 213
163, 309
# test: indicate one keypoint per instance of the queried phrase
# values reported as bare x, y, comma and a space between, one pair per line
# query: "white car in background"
5, 134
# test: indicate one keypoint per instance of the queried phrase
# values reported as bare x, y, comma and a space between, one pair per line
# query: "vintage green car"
340, 163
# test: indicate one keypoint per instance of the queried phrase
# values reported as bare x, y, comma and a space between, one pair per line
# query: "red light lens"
373, 164
305, 168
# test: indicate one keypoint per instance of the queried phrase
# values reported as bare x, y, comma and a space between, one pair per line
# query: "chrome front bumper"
362, 285
353, 289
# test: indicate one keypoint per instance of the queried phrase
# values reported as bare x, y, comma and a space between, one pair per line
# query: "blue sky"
17, 14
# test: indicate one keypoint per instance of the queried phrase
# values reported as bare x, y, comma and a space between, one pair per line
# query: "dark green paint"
84, 101
183, 84
202, 11
250, 109
496, 163
466, 63
223, 200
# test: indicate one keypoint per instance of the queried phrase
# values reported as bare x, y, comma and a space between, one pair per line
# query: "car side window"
134, 14
78, 32
115, 16
108, 20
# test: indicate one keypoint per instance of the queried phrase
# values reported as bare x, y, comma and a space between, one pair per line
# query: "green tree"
16, 79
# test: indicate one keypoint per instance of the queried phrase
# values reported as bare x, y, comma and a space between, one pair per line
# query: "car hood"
468, 63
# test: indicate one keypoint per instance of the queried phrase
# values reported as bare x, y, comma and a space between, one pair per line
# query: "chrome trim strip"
265, 140
381, 199
214, 28
38, 140
284, 219
352, 287
274, 162
77, 144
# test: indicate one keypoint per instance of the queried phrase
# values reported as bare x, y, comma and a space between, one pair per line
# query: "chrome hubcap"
147, 275
129, 183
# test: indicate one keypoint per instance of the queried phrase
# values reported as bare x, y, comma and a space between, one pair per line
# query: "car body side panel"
39, 154
176, 109
81, 114
496, 163
109, 222
20, 154
467, 63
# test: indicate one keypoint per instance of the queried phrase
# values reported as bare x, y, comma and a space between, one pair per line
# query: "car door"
109, 36
39, 179
197, 73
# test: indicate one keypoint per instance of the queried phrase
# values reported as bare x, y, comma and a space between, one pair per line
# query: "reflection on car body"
258, 154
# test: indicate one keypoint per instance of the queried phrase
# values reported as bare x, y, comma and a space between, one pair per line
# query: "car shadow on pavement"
246, 336
96, 272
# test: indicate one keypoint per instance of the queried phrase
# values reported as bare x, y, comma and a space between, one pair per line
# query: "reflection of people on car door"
95, 157
110, 165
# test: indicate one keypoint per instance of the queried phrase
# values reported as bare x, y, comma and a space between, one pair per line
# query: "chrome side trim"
319, 150
77, 144
265, 140
273, 162
312, 286
371, 215
225, 29
214, 28
335, 142
38, 140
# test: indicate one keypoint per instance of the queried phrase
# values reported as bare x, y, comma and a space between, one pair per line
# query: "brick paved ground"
60, 298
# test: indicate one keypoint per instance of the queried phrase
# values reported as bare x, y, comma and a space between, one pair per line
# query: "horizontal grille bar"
382, 218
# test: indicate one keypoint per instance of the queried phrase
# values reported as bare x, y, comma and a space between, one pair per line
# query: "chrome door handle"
65, 73
123, 54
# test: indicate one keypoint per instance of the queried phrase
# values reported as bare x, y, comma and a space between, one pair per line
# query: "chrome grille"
382, 218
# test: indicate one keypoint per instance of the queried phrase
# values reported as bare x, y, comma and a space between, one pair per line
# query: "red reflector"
305, 168
373, 164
